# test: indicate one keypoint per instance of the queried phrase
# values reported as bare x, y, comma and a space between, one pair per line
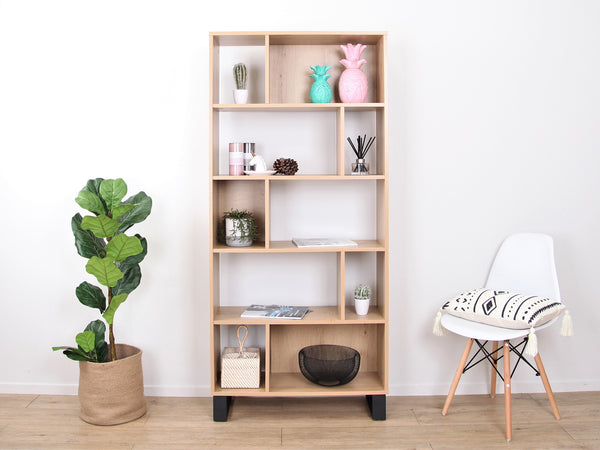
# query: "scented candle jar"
236, 158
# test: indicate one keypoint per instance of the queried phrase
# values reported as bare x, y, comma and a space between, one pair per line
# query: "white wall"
494, 113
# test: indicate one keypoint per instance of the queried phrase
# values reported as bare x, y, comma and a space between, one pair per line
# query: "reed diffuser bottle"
360, 167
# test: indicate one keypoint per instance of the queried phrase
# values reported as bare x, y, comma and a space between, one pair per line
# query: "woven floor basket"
113, 392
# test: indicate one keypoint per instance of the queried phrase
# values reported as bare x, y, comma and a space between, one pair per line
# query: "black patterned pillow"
503, 309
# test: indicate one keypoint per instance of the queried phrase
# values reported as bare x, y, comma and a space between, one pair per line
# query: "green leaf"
93, 186
86, 242
90, 201
113, 191
104, 270
132, 275
73, 353
102, 226
91, 296
118, 211
86, 340
122, 246
112, 308
142, 208
102, 352
136, 259
99, 330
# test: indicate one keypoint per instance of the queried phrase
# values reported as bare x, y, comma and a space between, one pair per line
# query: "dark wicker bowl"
329, 365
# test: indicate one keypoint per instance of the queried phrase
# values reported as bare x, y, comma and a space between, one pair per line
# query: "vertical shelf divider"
267, 357
267, 213
267, 70
341, 284
340, 130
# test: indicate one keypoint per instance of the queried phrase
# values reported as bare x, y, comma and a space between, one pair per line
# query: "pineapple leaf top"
320, 70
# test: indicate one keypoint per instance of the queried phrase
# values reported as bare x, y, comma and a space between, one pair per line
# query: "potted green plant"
111, 389
362, 299
240, 228
240, 73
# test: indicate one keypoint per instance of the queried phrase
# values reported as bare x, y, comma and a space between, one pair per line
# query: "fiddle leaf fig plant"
113, 259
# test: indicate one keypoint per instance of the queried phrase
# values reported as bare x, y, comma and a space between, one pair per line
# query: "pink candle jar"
236, 158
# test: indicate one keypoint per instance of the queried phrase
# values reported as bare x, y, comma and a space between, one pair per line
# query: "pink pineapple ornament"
353, 84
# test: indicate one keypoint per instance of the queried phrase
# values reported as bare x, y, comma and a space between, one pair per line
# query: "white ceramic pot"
240, 96
233, 233
361, 305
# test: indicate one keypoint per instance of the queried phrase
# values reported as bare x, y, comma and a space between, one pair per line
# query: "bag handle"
241, 341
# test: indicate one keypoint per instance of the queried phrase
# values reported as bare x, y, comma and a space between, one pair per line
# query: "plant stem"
111, 336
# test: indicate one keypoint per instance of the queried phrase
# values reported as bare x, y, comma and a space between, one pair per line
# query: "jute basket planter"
112, 393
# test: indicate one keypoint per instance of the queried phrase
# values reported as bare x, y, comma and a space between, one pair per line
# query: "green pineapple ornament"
320, 91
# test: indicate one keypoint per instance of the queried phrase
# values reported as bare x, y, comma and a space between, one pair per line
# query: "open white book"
276, 311
323, 242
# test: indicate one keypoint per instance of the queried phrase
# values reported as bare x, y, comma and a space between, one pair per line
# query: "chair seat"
482, 331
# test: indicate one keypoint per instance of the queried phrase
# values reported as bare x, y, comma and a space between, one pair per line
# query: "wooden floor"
473, 422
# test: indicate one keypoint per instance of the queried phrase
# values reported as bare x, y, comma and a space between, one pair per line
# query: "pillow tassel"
566, 328
438, 329
531, 349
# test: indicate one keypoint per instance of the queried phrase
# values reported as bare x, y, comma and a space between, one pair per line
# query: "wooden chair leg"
459, 371
495, 357
507, 402
540, 366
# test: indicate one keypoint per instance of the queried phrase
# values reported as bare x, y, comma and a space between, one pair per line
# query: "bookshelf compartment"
287, 341
287, 138
257, 278
290, 62
246, 194
226, 336
323, 209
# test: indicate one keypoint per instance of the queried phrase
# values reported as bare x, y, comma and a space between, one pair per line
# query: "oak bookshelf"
281, 66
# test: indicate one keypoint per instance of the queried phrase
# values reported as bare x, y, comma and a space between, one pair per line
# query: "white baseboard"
465, 388
71, 389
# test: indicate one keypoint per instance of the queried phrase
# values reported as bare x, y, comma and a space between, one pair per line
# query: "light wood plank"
475, 422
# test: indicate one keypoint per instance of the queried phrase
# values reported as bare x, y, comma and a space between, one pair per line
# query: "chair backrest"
525, 264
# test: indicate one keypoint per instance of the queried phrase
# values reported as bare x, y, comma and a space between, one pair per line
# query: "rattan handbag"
240, 368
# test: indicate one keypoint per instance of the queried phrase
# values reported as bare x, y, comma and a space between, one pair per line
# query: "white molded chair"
524, 264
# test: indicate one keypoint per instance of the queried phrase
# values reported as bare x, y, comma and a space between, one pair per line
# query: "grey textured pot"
113, 392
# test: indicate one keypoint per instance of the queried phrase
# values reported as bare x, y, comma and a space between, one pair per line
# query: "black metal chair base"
495, 356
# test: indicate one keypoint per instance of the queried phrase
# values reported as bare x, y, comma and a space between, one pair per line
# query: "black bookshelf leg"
377, 406
221, 408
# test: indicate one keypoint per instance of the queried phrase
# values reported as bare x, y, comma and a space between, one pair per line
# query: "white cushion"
503, 309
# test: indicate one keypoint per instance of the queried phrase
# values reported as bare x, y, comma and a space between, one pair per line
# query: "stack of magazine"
323, 242
276, 311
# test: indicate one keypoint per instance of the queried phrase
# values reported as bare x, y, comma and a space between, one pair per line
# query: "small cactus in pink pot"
353, 84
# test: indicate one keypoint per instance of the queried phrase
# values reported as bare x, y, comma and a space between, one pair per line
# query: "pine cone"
285, 166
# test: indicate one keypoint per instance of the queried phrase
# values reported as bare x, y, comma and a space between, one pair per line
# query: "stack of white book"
323, 242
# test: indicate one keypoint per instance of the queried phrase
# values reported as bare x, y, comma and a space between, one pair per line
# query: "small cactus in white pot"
240, 73
362, 299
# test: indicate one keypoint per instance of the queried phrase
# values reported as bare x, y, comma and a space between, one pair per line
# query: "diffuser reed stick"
362, 146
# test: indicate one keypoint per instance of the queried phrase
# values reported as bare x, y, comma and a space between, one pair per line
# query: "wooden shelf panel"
290, 247
374, 316
297, 107
260, 391
230, 315
298, 177
365, 383
242, 38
